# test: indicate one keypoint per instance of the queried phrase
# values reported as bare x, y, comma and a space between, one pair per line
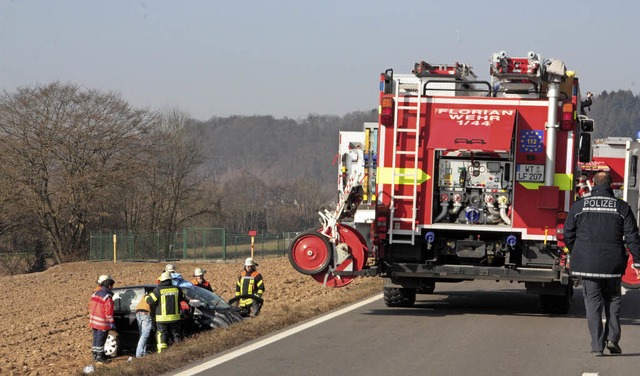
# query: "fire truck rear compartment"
456, 255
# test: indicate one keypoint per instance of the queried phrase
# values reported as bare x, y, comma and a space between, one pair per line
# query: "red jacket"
101, 309
204, 284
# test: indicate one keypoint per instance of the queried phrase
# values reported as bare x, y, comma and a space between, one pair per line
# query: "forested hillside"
277, 151
616, 113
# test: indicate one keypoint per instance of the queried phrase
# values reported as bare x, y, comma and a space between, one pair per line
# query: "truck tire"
556, 304
399, 297
427, 287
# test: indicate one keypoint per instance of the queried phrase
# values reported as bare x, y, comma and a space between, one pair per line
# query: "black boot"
100, 358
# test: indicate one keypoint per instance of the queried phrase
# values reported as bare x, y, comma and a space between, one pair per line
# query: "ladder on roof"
401, 175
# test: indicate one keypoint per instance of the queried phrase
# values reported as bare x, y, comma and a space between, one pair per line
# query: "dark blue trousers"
99, 338
602, 295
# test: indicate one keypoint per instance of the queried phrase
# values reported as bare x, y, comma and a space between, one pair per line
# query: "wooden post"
252, 233
115, 254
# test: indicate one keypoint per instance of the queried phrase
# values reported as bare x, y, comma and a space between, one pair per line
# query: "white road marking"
590, 374
234, 354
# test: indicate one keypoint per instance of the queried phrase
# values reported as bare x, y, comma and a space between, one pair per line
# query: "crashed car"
206, 311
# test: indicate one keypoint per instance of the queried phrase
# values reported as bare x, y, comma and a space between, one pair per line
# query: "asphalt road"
468, 328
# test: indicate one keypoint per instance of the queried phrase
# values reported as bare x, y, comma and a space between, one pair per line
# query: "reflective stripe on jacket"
101, 309
165, 302
249, 284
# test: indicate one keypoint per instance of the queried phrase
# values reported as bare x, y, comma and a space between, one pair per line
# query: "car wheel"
112, 345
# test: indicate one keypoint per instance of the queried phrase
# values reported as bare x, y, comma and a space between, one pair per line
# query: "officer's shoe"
614, 348
596, 353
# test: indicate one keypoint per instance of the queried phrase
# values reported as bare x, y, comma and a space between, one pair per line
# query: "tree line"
75, 160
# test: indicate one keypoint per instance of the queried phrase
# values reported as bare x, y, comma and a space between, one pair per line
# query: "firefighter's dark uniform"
593, 232
250, 284
164, 302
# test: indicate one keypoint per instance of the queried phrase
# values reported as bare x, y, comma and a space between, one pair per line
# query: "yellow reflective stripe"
562, 181
385, 175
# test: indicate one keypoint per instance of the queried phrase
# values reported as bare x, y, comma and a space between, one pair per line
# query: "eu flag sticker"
531, 141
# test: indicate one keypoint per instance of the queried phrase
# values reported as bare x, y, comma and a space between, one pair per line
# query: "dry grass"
209, 343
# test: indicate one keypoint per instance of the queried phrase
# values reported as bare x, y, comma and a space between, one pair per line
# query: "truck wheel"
427, 287
399, 297
555, 304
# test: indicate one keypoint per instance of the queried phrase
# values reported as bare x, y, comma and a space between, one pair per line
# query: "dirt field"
44, 316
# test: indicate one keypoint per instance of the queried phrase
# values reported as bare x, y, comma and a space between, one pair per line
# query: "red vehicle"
473, 180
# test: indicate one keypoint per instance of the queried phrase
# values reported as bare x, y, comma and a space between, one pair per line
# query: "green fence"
190, 243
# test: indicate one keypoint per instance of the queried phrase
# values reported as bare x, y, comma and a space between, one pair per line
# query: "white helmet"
103, 278
165, 276
170, 268
198, 272
250, 262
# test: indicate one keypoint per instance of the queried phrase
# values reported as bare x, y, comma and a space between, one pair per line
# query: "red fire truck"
469, 179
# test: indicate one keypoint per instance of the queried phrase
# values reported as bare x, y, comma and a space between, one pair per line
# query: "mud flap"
630, 278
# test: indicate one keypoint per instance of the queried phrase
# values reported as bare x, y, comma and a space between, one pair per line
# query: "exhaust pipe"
556, 71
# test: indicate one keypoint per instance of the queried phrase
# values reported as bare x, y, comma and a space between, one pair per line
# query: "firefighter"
199, 280
595, 232
586, 104
169, 268
164, 303
250, 283
101, 315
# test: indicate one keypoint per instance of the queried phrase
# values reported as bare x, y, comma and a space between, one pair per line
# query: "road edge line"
264, 342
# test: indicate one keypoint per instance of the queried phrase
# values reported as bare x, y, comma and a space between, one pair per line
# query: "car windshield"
206, 296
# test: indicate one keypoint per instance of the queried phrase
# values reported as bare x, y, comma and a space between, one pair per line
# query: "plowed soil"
44, 316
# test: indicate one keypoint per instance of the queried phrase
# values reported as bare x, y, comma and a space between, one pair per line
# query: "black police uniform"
595, 231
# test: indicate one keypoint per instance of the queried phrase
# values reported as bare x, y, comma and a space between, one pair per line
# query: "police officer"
595, 231
164, 302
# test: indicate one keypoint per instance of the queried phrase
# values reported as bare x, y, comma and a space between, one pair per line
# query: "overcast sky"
291, 58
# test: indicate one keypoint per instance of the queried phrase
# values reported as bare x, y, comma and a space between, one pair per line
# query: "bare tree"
168, 189
64, 147
245, 200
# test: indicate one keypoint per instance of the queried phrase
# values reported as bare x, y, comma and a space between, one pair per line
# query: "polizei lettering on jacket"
477, 117
599, 204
